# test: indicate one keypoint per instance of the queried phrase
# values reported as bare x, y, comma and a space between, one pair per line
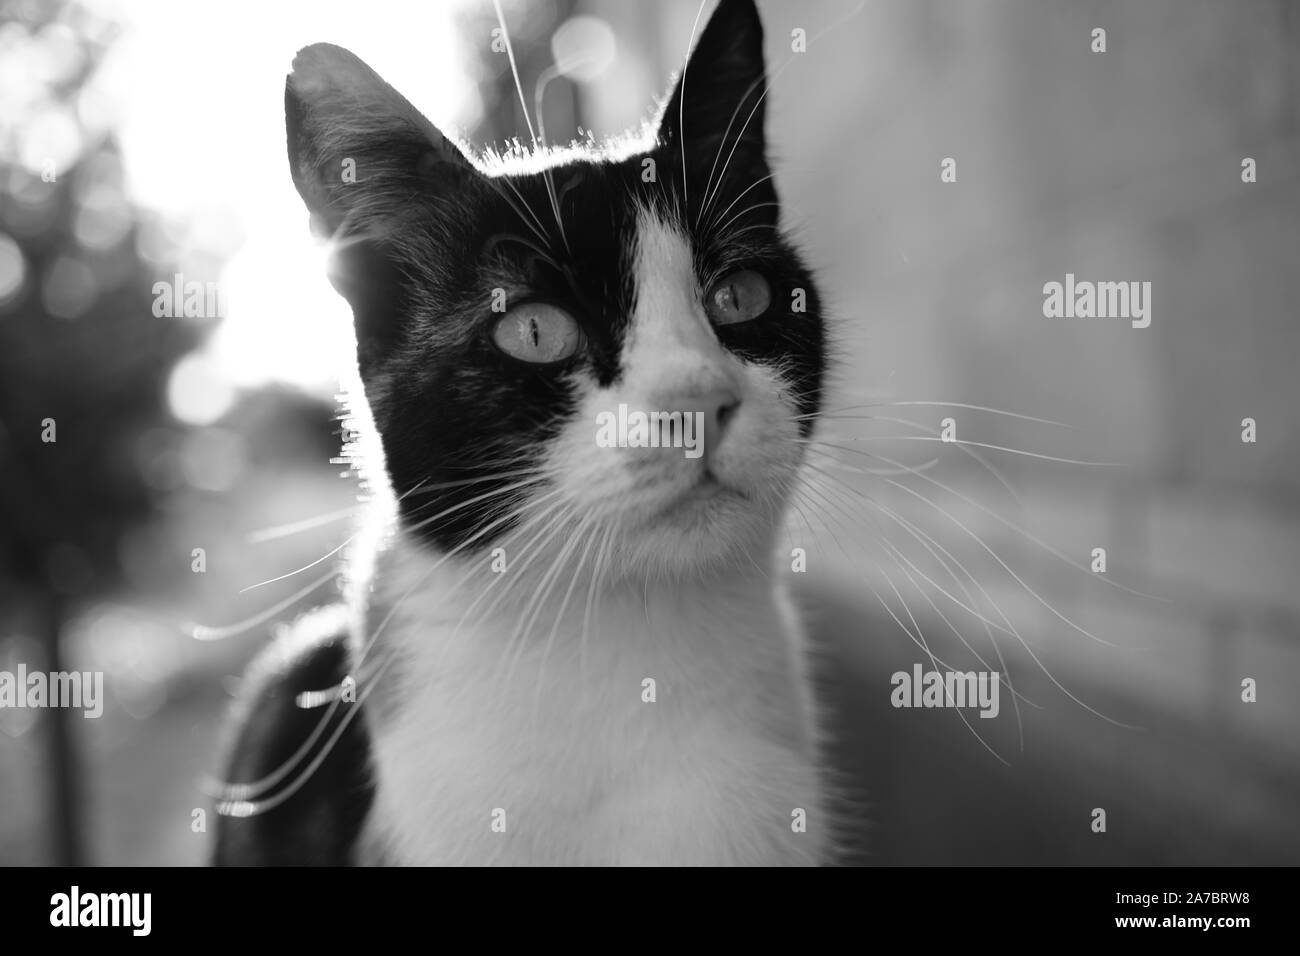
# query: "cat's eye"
738, 297
537, 332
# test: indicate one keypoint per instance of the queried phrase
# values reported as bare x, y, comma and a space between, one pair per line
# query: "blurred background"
142, 143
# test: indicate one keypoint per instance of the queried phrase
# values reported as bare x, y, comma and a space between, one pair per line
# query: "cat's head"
505, 311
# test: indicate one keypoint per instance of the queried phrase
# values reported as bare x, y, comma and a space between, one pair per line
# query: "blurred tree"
83, 360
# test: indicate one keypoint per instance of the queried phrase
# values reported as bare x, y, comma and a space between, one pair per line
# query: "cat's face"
513, 323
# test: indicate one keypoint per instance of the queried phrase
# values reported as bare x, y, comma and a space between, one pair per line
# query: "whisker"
592, 530
487, 495
744, 212
512, 515
306, 567
1016, 696
296, 527
974, 455
501, 238
237, 797
325, 556
201, 632
532, 221
919, 640
681, 104
523, 103
710, 196
976, 444
968, 609
596, 578
1005, 673
934, 663
555, 513
907, 470
1003, 521
708, 226
250, 808
977, 408
246, 792
540, 594
1023, 643
980, 541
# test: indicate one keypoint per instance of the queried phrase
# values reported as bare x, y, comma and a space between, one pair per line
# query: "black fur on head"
426, 241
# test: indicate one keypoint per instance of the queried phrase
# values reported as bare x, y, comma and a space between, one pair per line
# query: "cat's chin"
708, 528
706, 493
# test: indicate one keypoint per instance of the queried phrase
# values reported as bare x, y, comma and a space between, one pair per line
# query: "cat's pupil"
533, 332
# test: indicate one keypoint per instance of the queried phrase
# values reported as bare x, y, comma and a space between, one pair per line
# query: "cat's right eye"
738, 297
538, 333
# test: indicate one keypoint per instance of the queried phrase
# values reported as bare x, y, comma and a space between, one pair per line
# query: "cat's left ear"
358, 149
720, 101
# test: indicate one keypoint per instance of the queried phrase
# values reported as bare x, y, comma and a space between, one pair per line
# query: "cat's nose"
716, 409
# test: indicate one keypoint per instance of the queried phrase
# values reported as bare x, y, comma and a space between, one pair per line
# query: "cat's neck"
570, 716
450, 614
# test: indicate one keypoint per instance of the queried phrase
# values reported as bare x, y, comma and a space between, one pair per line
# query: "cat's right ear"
358, 150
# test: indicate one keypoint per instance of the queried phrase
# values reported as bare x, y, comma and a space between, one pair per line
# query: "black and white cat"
552, 651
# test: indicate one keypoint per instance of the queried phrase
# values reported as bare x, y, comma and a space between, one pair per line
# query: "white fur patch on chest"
674, 731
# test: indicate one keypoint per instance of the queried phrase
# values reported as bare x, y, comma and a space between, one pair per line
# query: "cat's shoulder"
302, 758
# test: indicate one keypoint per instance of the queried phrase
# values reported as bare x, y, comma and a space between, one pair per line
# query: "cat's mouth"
706, 489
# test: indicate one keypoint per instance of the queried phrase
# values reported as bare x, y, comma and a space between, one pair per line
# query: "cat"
553, 650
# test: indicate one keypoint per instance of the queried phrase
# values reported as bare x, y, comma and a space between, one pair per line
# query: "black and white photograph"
651, 433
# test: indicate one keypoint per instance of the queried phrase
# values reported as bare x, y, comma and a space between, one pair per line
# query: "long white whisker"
510, 516
591, 534
296, 527
977, 408
980, 541
242, 793
201, 632
997, 517
968, 609
976, 444
537, 602
494, 493
1016, 634
601, 565
711, 195
533, 221
306, 567
325, 556
681, 105
523, 103
554, 515
934, 663
1016, 696
976, 456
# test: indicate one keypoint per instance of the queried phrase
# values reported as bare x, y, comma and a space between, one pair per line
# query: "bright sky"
199, 89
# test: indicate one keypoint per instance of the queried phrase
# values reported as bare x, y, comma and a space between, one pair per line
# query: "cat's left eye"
537, 332
738, 297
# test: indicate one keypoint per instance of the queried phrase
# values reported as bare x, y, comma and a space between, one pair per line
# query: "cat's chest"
669, 732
